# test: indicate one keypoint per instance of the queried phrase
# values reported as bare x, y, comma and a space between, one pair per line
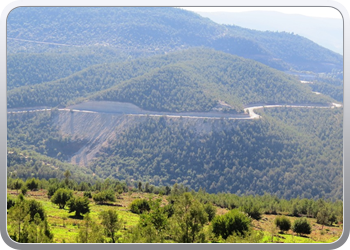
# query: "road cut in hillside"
123, 108
253, 115
97, 123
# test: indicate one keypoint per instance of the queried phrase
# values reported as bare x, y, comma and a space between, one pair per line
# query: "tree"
32, 184
323, 216
52, 189
140, 186
17, 184
283, 223
17, 216
210, 209
78, 204
332, 218
252, 210
87, 194
10, 202
188, 220
90, 232
111, 223
67, 175
154, 224
36, 207
24, 190
232, 222
24, 216
37, 231
301, 226
61, 197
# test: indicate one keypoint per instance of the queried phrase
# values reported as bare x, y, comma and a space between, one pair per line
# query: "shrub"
36, 207
10, 202
24, 190
32, 184
52, 189
104, 196
283, 223
87, 194
253, 211
61, 197
301, 226
231, 222
17, 184
139, 206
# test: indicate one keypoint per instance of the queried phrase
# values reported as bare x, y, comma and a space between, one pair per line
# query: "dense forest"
182, 81
244, 157
35, 68
241, 157
36, 132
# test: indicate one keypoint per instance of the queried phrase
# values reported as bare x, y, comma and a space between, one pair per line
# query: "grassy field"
65, 226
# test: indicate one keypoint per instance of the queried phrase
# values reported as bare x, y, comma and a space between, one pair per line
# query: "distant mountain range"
148, 31
327, 32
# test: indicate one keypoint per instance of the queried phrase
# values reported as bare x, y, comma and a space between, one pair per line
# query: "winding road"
120, 108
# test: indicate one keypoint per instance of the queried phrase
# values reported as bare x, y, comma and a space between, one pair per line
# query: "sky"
328, 12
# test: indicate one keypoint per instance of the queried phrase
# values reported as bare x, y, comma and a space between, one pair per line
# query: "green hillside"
30, 164
29, 68
288, 153
195, 80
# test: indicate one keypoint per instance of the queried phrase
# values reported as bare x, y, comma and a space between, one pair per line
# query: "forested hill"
191, 80
154, 30
289, 153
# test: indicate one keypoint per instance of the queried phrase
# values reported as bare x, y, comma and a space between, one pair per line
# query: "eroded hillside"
98, 129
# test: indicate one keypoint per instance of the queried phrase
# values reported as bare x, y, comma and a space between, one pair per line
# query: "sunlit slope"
192, 80
289, 153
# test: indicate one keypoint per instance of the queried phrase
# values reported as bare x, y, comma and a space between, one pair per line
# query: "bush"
24, 190
230, 223
139, 206
301, 226
104, 196
52, 189
10, 202
61, 197
283, 223
253, 211
32, 184
36, 207
17, 184
87, 194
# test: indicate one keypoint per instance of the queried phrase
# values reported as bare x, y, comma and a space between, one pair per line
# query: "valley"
150, 111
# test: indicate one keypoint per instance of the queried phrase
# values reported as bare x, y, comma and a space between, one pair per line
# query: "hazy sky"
307, 11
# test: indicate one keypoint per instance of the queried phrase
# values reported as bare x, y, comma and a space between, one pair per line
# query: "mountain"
190, 80
153, 30
327, 32
288, 153
182, 85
